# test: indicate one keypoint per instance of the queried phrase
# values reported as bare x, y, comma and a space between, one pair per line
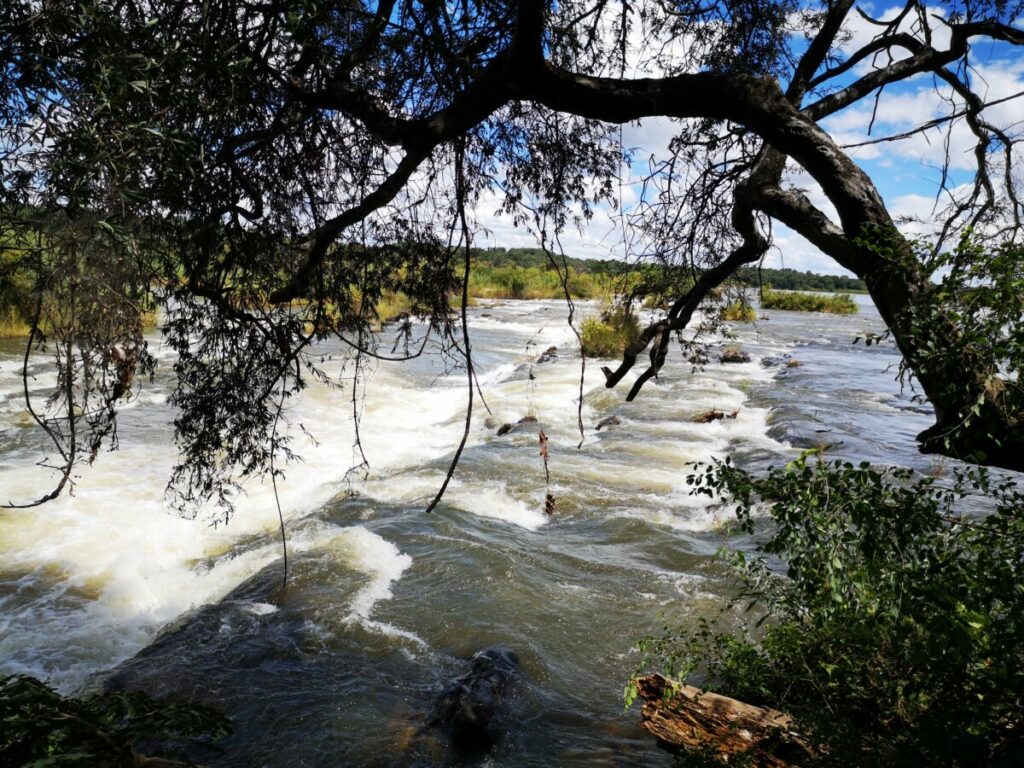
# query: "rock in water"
611, 421
468, 707
734, 355
551, 353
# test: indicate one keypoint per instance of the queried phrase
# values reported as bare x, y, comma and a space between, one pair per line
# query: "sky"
907, 173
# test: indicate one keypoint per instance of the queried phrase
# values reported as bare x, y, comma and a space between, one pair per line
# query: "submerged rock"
469, 707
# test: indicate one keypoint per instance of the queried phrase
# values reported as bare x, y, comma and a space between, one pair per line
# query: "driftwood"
684, 717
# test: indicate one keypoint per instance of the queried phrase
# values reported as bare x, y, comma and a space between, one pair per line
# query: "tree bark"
684, 717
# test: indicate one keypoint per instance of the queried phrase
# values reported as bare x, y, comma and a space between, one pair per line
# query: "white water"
93, 576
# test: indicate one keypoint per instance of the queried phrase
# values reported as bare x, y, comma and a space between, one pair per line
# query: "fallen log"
685, 717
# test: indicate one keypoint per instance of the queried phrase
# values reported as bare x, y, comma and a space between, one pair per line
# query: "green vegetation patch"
42, 728
838, 304
885, 614
739, 312
510, 281
609, 334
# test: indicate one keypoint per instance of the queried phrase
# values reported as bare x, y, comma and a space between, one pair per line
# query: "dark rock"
734, 356
468, 708
504, 429
550, 354
611, 421
708, 416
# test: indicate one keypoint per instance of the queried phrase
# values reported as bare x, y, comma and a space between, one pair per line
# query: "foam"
372, 555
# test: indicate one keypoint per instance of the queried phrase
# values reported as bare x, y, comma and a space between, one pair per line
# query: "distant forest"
782, 279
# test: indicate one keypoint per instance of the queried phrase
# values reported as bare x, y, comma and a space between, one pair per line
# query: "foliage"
609, 334
840, 304
268, 173
794, 280
739, 312
512, 281
895, 636
970, 320
42, 728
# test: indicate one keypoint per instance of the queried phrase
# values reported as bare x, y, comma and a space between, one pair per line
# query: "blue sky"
907, 173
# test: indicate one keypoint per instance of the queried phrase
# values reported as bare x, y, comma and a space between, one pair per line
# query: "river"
385, 604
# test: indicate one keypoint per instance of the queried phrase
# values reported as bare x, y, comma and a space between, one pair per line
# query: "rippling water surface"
385, 604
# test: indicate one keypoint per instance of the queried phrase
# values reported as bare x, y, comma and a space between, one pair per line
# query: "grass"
609, 334
739, 312
513, 282
836, 304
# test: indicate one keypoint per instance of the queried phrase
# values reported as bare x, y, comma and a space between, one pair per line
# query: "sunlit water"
385, 604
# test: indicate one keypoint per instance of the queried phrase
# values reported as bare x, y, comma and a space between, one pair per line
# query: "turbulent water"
384, 604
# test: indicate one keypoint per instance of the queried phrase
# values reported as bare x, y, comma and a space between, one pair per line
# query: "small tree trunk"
684, 717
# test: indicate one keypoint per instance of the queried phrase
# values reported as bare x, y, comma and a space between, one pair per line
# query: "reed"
836, 304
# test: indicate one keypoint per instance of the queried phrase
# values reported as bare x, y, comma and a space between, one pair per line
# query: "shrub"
610, 334
514, 282
42, 728
739, 312
896, 635
837, 304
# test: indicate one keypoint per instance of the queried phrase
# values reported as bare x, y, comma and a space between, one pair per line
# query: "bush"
838, 304
610, 334
514, 282
739, 312
43, 728
896, 635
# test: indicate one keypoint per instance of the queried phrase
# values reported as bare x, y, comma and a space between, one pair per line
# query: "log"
685, 717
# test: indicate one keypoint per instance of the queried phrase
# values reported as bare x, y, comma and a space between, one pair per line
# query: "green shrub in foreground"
896, 635
39, 727
838, 304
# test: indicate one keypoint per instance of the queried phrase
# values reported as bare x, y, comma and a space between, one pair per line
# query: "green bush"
838, 304
739, 312
514, 282
895, 635
610, 334
42, 728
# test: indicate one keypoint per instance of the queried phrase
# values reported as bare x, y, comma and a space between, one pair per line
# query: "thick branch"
767, 170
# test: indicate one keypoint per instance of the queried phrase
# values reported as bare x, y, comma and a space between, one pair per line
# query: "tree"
265, 169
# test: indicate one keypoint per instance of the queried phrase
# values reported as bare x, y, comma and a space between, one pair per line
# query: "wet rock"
469, 708
787, 361
611, 421
504, 429
734, 355
708, 416
550, 354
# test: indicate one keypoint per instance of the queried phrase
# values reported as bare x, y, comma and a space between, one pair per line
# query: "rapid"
385, 604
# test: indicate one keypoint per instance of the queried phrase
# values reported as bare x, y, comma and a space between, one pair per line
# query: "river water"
385, 604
